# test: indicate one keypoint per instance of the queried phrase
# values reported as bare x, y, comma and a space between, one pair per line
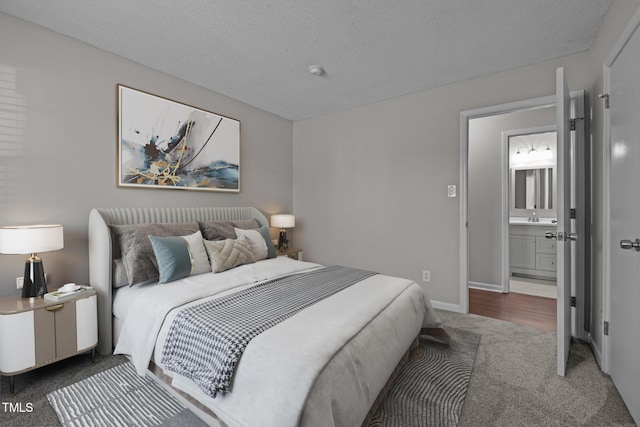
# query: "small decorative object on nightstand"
37, 332
283, 221
31, 239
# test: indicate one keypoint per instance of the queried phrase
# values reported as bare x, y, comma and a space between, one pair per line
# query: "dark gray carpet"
514, 381
119, 397
32, 388
430, 389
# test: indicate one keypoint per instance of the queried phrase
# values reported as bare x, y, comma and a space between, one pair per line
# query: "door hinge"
605, 96
605, 328
573, 122
572, 214
573, 301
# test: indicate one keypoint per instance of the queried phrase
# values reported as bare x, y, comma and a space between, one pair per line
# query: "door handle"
628, 244
561, 236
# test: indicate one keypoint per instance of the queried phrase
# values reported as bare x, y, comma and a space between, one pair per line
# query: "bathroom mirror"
532, 188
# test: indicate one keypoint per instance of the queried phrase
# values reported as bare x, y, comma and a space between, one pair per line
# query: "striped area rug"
119, 397
430, 389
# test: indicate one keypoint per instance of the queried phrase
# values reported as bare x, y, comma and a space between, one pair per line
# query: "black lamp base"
34, 284
283, 243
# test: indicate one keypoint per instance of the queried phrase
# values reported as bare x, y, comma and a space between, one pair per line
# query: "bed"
324, 365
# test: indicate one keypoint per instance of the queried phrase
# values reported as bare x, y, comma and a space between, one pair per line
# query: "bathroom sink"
525, 221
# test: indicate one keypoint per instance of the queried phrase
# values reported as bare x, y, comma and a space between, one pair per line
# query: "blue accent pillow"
271, 250
173, 257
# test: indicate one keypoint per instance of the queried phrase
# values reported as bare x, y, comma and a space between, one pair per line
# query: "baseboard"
446, 306
485, 286
597, 353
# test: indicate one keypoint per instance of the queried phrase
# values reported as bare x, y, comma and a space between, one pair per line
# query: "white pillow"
198, 253
256, 242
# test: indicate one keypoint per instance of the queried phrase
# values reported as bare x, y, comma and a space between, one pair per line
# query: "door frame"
465, 116
616, 50
578, 327
506, 193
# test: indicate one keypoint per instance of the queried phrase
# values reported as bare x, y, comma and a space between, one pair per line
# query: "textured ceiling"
259, 51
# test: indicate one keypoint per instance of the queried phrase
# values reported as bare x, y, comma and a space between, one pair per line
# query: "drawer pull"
54, 307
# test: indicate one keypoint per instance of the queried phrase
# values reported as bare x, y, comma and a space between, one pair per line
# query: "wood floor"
537, 312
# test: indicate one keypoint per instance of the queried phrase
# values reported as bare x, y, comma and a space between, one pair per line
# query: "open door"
563, 234
623, 340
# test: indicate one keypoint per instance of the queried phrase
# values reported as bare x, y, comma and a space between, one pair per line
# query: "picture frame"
167, 144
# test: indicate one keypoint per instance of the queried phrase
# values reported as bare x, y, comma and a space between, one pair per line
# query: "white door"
563, 206
624, 293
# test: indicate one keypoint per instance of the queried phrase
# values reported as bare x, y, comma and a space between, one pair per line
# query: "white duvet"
322, 367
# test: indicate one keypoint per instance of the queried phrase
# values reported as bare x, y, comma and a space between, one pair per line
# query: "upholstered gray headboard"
101, 251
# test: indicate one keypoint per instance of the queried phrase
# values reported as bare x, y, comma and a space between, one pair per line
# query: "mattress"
323, 366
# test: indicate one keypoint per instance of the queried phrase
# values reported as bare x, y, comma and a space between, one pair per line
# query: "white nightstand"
35, 332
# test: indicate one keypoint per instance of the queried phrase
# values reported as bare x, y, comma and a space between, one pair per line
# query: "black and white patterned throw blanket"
205, 342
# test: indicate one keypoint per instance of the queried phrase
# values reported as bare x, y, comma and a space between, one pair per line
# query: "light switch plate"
451, 191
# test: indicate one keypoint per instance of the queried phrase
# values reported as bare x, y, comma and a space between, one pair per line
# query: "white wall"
65, 160
370, 184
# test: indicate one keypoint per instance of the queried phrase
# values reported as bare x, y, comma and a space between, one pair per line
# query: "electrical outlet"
20, 281
426, 276
451, 191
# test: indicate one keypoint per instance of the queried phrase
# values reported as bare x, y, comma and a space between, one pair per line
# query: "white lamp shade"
30, 239
283, 221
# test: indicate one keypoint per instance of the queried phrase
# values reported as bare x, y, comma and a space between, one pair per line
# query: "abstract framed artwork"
167, 144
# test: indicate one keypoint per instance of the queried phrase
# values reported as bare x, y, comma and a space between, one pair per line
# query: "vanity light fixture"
546, 153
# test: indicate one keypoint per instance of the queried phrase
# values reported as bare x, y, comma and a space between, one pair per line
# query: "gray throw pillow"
221, 230
137, 253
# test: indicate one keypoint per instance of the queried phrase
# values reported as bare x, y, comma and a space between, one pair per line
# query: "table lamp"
283, 221
31, 239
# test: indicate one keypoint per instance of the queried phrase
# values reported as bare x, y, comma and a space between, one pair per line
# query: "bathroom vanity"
530, 253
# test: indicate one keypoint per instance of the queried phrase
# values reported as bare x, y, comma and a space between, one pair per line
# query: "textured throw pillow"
136, 250
220, 230
229, 253
180, 256
256, 241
